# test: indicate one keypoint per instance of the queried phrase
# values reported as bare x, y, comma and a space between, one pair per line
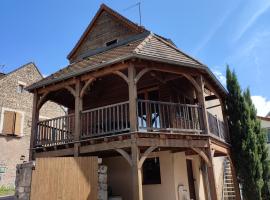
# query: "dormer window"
111, 42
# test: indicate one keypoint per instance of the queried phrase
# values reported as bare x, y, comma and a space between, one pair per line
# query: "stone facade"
102, 183
15, 149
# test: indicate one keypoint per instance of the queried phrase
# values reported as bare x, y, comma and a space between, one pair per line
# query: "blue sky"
234, 32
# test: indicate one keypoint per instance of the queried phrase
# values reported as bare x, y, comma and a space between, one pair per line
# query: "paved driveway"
7, 198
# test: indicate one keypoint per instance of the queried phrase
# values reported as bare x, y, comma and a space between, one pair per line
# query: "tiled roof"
148, 45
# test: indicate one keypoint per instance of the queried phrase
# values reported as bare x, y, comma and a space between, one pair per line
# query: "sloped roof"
2, 75
147, 45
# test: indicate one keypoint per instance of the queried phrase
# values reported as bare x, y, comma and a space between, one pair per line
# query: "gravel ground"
7, 198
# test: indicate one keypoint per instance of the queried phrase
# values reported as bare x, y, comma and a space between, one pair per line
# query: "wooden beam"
210, 97
77, 113
137, 192
145, 155
41, 100
125, 155
201, 98
71, 90
203, 155
57, 86
141, 73
132, 89
35, 116
211, 175
86, 85
106, 146
56, 153
221, 149
122, 75
172, 142
104, 71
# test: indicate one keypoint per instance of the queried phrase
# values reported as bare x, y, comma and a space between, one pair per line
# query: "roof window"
111, 42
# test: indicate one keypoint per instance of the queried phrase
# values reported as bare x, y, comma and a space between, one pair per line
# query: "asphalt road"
7, 198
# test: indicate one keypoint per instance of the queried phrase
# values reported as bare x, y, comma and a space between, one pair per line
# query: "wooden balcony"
152, 116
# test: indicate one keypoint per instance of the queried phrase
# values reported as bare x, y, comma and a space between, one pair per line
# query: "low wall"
23, 180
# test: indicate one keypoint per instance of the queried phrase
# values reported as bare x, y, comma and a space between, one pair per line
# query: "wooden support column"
201, 98
78, 109
35, 116
132, 88
137, 193
211, 176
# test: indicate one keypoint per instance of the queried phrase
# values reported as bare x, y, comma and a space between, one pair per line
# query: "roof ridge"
177, 49
143, 43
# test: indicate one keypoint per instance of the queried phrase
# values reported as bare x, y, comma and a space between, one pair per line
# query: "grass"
6, 190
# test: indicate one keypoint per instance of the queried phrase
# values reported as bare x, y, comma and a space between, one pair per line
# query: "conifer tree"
249, 152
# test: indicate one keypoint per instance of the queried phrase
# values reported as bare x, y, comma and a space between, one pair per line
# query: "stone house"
15, 118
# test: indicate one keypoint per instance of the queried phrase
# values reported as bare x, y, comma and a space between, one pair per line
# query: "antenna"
139, 6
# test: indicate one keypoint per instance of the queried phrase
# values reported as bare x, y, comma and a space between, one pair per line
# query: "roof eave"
125, 58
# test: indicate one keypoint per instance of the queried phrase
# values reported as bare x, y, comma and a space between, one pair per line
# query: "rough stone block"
102, 178
103, 169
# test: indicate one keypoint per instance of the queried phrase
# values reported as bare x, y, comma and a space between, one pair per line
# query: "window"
20, 87
12, 123
151, 171
111, 42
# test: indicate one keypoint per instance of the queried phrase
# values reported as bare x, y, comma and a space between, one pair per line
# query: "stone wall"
15, 149
102, 183
23, 180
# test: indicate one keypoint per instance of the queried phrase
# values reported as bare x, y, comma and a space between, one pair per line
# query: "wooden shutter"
18, 124
9, 122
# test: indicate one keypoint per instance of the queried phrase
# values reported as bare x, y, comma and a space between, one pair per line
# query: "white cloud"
220, 77
262, 105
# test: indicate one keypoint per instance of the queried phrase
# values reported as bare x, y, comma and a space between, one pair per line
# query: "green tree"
249, 152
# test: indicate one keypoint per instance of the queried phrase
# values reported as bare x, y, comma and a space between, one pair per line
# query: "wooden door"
192, 191
65, 178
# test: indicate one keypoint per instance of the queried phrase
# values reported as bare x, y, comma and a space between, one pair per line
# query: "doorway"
191, 180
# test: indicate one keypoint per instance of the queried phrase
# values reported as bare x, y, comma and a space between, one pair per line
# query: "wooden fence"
65, 178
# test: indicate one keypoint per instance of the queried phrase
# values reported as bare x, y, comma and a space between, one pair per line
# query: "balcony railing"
105, 120
152, 116
55, 131
165, 116
217, 127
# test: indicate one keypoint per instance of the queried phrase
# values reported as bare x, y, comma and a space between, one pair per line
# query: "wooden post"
224, 114
201, 98
137, 193
35, 116
132, 87
78, 109
211, 176
205, 180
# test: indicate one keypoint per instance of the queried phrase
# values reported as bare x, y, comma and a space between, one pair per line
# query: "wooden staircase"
228, 185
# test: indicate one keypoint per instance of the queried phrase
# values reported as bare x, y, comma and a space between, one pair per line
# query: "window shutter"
18, 124
9, 122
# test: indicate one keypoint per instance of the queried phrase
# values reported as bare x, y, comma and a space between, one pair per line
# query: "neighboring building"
265, 124
15, 119
151, 112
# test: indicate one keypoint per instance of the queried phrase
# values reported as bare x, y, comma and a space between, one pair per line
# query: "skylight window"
111, 42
